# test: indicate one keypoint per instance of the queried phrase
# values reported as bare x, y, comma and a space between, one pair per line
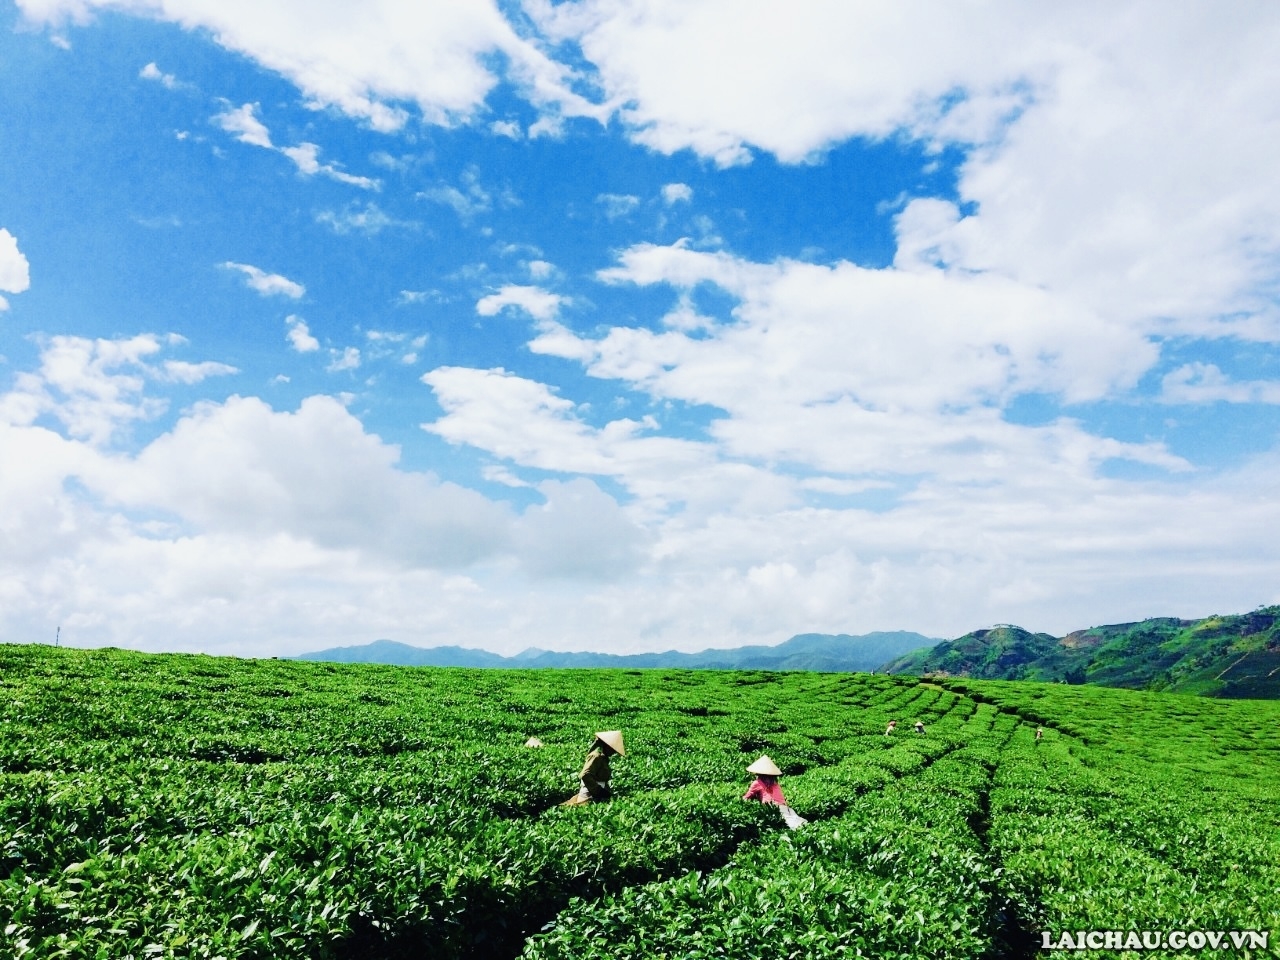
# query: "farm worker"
1039, 734
890, 728
766, 789
595, 771
919, 726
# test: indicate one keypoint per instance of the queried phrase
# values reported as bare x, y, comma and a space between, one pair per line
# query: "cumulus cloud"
345, 359
302, 527
1112, 159
579, 532
1010, 534
267, 284
181, 371
538, 303
299, 335
152, 72
526, 422
1197, 383
673, 193
241, 467
97, 388
617, 205
15, 271
808, 333
243, 123
368, 62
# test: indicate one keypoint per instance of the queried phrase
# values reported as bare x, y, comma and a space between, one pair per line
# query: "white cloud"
303, 529
152, 72
1117, 157
371, 220
524, 421
347, 359
506, 128
368, 61
495, 473
306, 156
240, 467
547, 126
980, 534
243, 123
93, 387
15, 271
468, 200
719, 76
618, 205
673, 193
889, 339
96, 388
538, 303
180, 371
382, 344
268, 284
299, 335
1198, 383
579, 532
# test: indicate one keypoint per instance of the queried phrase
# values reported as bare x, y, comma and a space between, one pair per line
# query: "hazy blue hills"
1224, 656
808, 651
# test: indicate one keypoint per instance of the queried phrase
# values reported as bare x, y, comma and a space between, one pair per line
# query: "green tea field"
188, 806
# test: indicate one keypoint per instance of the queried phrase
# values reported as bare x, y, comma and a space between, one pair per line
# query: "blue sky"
632, 324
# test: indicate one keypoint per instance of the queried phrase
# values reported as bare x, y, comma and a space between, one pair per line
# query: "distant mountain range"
833, 653
1223, 656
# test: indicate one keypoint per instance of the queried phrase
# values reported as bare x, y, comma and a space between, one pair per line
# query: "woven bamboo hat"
766, 766
614, 739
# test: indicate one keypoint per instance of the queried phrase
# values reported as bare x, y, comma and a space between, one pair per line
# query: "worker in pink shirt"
766, 789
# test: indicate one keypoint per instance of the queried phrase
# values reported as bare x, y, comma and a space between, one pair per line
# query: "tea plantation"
188, 806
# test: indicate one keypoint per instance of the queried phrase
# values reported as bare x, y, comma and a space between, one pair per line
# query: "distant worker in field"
595, 771
1039, 734
766, 789
893, 725
919, 726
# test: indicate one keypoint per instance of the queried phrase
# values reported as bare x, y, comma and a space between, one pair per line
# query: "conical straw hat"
614, 739
766, 766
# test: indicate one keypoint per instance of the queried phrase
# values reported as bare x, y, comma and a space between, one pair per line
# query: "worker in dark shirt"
595, 773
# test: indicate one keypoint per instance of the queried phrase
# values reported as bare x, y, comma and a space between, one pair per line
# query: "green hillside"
196, 807
1222, 656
